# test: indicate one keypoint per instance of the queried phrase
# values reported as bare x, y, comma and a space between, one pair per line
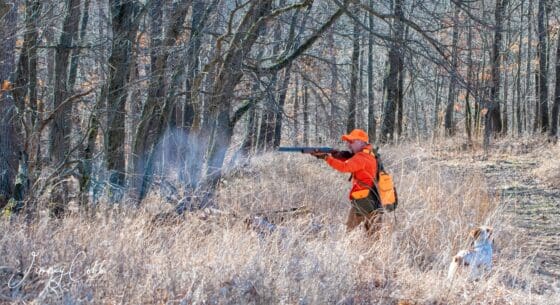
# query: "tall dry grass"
122, 258
549, 169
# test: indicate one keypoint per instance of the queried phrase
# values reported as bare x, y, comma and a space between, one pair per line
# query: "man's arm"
347, 166
342, 155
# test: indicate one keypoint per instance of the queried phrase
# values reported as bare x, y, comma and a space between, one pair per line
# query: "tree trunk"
272, 107
529, 58
360, 105
296, 113
335, 116
60, 132
352, 101
400, 91
123, 16
26, 97
292, 40
317, 120
60, 139
517, 118
543, 66
250, 137
468, 112
189, 65
556, 106
493, 121
198, 19
155, 113
76, 52
436, 122
87, 153
305, 113
481, 94
505, 122
370, 87
8, 120
281, 103
537, 117
156, 32
415, 112
268, 114
224, 85
50, 39
452, 93
265, 116
392, 79
388, 126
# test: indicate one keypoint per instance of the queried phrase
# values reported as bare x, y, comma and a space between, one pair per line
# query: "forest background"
115, 105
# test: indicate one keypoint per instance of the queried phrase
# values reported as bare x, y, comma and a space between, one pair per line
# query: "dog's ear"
475, 233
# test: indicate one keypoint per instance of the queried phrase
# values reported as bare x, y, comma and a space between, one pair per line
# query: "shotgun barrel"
306, 149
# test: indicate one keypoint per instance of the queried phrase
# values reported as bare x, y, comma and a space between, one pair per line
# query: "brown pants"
372, 221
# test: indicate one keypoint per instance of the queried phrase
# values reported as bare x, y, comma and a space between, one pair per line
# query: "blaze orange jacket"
363, 167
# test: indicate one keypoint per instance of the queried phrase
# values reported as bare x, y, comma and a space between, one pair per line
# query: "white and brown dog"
478, 258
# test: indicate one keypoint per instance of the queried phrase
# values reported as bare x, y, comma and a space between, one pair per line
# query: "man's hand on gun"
320, 155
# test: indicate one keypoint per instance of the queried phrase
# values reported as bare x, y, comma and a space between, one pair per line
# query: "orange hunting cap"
356, 134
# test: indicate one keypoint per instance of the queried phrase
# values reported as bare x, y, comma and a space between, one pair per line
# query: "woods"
107, 99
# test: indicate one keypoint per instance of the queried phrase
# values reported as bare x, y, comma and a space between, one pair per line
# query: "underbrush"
207, 258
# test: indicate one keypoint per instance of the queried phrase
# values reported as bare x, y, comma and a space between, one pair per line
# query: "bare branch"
306, 45
61, 106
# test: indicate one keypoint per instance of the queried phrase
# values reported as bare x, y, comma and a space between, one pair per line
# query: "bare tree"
124, 23
155, 113
392, 78
66, 71
517, 119
493, 121
556, 106
227, 77
470, 72
8, 120
542, 20
370, 82
293, 40
352, 101
60, 131
529, 57
452, 93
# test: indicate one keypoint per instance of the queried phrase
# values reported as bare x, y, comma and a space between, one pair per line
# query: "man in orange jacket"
365, 205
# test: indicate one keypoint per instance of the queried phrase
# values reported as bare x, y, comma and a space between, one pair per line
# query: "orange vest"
363, 167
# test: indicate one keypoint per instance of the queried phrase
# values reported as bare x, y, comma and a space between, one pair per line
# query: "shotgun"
340, 154
306, 149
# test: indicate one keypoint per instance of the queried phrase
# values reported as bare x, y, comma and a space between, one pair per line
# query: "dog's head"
481, 234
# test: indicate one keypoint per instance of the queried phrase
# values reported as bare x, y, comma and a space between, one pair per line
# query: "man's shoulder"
365, 154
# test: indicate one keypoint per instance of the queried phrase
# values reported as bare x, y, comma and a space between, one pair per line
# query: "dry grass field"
210, 257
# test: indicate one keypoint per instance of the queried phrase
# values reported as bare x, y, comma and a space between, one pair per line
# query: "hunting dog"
478, 257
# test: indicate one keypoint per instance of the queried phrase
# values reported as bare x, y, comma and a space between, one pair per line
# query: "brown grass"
549, 168
122, 258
